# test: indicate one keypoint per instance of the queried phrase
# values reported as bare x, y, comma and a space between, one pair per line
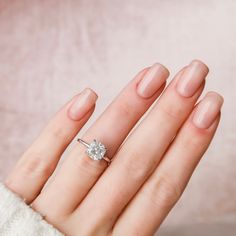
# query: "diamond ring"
95, 150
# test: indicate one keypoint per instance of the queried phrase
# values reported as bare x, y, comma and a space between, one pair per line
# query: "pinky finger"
162, 190
40, 160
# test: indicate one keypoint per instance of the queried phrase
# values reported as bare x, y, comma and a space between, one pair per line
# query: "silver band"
95, 150
83, 142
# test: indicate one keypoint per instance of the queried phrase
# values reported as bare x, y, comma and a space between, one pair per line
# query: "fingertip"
82, 103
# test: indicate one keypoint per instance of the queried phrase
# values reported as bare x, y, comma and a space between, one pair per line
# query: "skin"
152, 161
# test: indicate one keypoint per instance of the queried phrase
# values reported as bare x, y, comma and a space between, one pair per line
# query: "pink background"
50, 50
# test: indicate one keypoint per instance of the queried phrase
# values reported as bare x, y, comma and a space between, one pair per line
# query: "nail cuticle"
82, 104
152, 81
191, 79
207, 110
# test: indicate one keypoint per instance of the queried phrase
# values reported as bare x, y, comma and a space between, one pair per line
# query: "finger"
162, 190
79, 173
142, 151
39, 161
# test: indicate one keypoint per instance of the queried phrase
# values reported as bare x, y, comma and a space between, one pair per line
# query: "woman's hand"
149, 171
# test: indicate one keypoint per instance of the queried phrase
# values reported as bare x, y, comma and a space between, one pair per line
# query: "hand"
149, 171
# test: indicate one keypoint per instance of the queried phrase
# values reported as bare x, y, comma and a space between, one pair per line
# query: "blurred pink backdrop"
50, 50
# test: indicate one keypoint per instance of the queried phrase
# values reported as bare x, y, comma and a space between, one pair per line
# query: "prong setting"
96, 150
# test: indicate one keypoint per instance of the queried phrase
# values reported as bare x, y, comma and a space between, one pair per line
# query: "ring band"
95, 150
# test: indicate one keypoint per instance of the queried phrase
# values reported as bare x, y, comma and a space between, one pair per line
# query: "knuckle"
190, 143
136, 167
124, 109
57, 133
35, 164
167, 192
173, 112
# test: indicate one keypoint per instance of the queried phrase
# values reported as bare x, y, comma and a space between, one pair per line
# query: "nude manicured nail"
192, 78
152, 80
207, 110
82, 104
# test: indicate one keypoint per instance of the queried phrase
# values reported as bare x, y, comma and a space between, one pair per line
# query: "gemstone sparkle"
96, 150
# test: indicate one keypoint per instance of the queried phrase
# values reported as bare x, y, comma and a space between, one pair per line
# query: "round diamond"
96, 150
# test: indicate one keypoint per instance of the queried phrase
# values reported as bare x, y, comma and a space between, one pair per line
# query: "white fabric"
18, 219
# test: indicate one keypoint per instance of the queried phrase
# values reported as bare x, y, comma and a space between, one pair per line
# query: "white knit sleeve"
18, 219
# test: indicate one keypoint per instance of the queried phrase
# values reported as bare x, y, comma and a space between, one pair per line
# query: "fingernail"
152, 80
82, 104
192, 78
207, 110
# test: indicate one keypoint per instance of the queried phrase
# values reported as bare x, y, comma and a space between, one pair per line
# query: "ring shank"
107, 160
83, 142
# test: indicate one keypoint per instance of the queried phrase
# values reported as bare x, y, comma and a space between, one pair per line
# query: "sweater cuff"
17, 218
